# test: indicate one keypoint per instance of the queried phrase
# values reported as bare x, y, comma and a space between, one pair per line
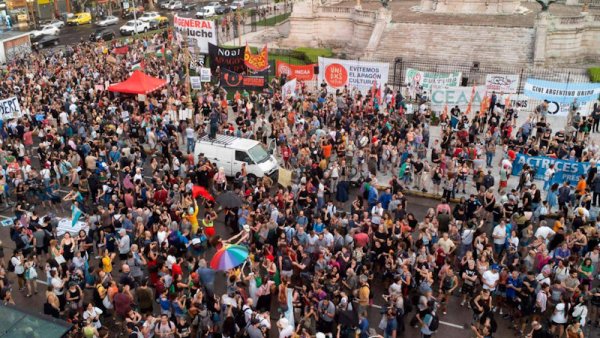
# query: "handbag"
60, 259
31, 273
106, 302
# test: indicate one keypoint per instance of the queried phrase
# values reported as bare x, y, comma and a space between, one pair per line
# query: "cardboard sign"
10, 108
199, 33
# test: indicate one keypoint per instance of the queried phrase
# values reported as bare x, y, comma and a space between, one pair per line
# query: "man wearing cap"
490, 278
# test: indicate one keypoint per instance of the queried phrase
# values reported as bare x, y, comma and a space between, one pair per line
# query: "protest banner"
195, 82
361, 75
230, 79
430, 79
205, 75
289, 89
10, 108
226, 58
256, 62
457, 96
199, 33
502, 83
565, 170
561, 95
299, 72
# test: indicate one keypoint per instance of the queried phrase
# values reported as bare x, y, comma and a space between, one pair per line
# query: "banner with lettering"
256, 62
299, 72
226, 58
565, 170
230, 79
10, 108
430, 79
457, 96
199, 33
561, 92
502, 83
362, 75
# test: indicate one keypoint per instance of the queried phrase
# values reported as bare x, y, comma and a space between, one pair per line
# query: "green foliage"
312, 54
274, 20
594, 73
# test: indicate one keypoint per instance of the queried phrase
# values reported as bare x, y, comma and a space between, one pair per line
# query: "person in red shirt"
160, 195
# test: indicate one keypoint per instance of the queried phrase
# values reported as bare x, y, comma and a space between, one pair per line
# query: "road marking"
45, 283
452, 325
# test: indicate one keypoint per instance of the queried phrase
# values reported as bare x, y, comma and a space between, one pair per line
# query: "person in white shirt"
285, 329
544, 231
93, 313
499, 235
490, 278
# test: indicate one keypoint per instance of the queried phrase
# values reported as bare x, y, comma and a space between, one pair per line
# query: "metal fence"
475, 73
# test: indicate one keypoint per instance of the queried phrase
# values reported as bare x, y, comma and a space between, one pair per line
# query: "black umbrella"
229, 199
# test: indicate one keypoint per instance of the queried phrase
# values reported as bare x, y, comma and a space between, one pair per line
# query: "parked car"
45, 41
159, 23
134, 26
188, 8
108, 21
212, 4
165, 4
238, 4
128, 13
205, 12
80, 19
174, 5
102, 34
149, 16
57, 23
45, 30
222, 9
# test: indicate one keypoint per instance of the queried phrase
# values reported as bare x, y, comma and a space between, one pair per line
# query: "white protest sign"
10, 108
502, 83
198, 32
205, 75
195, 82
289, 89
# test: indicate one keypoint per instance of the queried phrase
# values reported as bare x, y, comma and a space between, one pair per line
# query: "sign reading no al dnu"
10, 108
430, 79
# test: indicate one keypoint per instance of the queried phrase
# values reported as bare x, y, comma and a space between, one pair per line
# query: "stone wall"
470, 6
456, 43
571, 40
340, 28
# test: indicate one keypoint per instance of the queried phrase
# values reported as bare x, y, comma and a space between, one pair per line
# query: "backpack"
435, 323
11, 266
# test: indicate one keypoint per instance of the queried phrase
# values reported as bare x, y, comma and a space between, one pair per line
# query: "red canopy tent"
138, 83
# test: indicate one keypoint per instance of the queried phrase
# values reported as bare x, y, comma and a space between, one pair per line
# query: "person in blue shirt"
319, 226
391, 327
513, 288
363, 325
385, 198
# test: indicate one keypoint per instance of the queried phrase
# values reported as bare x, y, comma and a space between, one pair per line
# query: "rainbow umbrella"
229, 257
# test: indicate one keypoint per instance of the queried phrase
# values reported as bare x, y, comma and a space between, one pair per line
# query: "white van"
230, 152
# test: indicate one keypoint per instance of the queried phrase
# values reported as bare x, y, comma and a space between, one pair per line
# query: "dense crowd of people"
319, 248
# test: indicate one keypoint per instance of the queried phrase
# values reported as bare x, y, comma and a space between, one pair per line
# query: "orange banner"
256, 62
299, 72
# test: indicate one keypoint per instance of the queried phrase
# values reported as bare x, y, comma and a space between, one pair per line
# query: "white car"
173, 5
238, 4
205, 12
57, 23
109, 20
149, 16
45, 30
134, 27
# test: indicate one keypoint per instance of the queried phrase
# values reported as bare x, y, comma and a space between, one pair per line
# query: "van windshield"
258, 154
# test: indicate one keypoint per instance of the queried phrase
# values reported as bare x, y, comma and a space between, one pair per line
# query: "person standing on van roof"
214, 118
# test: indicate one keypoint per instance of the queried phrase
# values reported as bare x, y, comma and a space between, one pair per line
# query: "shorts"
467, 289
39, 251
558, 324
209, 232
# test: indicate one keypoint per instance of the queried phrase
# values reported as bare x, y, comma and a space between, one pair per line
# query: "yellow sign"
43, 2
22, 17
